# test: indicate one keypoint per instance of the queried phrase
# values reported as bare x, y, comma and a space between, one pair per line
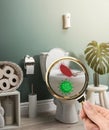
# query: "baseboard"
42, 106
45, 106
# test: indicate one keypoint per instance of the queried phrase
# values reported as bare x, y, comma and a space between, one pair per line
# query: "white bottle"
9, 110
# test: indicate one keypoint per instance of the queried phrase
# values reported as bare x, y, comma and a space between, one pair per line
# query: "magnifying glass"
67, 79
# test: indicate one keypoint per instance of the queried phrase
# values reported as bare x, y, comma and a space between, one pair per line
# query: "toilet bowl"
66, 110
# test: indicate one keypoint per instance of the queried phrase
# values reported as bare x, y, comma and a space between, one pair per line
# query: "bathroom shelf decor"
11, 77
97, 57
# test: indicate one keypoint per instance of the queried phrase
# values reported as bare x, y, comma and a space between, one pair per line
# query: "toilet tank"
43, 57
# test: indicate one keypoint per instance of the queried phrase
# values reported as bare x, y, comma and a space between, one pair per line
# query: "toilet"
66, 110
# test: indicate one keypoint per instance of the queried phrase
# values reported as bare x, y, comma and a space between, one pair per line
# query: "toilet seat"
53, 55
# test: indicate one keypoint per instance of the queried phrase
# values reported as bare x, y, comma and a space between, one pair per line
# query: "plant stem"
96, 79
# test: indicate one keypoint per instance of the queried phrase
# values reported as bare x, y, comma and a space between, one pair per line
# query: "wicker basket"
17, 72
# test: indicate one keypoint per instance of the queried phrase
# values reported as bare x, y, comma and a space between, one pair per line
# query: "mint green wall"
32, 26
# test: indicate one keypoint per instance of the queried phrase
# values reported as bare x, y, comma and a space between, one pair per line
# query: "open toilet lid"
54, 54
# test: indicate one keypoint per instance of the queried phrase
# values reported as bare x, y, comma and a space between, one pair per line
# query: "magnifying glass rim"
67, 97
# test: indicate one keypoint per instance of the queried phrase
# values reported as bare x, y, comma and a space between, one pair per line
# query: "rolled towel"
8, 71
1, 110
2, 122
4, 84
14, 80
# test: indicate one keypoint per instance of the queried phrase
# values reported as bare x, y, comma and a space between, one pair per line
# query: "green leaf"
97, 57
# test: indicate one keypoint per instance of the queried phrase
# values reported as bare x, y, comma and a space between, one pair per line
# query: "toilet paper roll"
8, 71
4, 84
29, 69
14, 80
1, 73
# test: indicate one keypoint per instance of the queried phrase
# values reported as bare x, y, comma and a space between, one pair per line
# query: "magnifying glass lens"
67, 78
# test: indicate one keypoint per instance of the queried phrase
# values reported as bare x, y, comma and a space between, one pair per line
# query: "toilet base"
66, 111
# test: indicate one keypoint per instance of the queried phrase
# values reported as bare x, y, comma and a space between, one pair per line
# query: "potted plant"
97, 57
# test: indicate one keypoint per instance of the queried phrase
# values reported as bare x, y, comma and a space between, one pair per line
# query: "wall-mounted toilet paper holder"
29, 64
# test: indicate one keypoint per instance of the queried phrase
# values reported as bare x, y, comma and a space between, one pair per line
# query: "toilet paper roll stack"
9, 77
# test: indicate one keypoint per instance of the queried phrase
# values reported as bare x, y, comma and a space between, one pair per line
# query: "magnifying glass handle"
81, 99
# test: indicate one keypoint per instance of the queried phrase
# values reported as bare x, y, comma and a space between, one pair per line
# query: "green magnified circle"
66, 87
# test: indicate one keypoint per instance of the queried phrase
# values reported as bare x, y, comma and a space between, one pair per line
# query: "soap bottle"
9, 110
